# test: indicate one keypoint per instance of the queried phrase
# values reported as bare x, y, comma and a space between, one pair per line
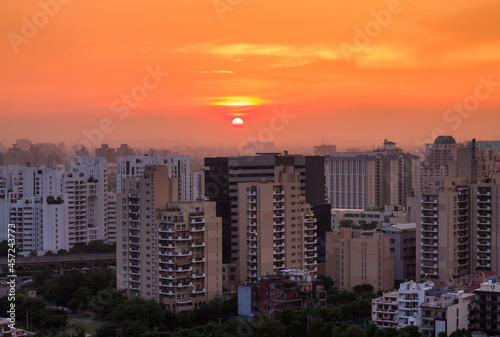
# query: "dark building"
293, 290
107, 153
485, 311
124, 151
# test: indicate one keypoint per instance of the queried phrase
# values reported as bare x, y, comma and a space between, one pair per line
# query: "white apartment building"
54, 209
178, 167
411, 296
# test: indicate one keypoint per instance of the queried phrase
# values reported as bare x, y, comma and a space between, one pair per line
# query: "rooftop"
445, 140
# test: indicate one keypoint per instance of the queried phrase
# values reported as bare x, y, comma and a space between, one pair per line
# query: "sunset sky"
249, 59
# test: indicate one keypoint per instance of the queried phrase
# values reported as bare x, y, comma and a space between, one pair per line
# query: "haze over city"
350, 74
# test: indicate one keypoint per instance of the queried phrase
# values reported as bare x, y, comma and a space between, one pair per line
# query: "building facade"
167, 250
277, 228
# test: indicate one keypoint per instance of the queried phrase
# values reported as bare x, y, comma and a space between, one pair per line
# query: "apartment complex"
277, 228
360, 179
167, 250
54, 209
411, 296
355, 257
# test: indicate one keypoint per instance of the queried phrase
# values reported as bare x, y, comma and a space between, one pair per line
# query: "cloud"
285, 55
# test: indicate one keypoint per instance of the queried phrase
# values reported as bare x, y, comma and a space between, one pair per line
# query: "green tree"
461, 333
346, 223
412, 331
372, 330
442, 334
33, 253
328, 281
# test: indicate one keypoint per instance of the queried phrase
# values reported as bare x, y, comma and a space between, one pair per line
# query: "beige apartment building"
485, 229
441, 212
355, 257
167, 250
277, 229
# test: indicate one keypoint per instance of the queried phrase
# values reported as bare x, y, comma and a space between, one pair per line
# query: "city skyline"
342, 74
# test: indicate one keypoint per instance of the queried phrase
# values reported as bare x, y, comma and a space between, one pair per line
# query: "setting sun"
237, 122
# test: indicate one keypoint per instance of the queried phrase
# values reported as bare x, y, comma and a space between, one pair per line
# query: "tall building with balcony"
178, 167
485, 311
167, 250
385, 310
441, 212
448, 312
485, 229
222, 176
277, 228
355, 257
438, 156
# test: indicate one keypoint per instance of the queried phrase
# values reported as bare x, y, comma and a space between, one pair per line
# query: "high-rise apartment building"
277, 228
402, 238
441, 212
486, 308
360, 179
222, 176
178, 167
356, 257
438, 156
167, 250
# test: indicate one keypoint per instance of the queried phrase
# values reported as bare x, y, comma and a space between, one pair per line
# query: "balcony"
484, 201
311, 242
134, 219
197, 291
279, 230
132, 257
197, 229
135, 288
196, 220
167, 293
166, 230
278, 208
279, 259
278, 215
198, 260
134, 250
433, 201
310, 249
133, 272
197, 244
281, 192
278, 245
195, 275
167, 277
279, 251
486, 193
252, 200
167, 261
183, 238
134, 203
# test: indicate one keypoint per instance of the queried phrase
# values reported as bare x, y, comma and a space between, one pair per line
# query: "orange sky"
426, 57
